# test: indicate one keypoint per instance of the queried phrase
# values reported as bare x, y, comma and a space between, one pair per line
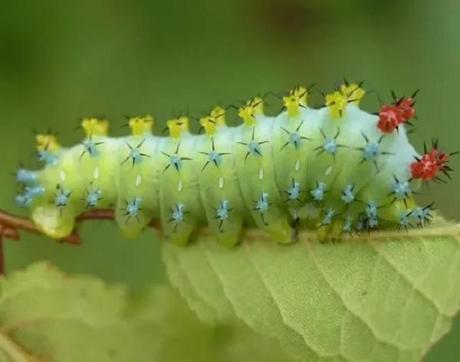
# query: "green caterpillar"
337, 169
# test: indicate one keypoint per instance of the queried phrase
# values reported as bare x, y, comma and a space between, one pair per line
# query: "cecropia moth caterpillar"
336, 169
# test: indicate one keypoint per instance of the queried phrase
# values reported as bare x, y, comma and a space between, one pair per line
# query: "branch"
10, 225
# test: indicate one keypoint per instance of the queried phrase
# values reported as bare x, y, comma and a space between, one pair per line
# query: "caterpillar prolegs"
336, 169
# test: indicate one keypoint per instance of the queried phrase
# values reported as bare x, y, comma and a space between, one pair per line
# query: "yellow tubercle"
254, 107
297, 98
218, 113
47, 142
353, 92
208, 124
336, 102
178, 126
215, 119
95, 127
141, 125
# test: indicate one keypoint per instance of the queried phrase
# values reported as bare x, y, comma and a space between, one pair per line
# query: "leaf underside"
379, 297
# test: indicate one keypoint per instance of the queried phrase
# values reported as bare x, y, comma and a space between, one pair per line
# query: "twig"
10, 225
2, 257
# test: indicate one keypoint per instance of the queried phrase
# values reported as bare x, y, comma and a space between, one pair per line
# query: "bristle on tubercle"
338, 170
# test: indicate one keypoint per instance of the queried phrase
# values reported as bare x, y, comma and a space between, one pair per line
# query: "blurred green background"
61, 60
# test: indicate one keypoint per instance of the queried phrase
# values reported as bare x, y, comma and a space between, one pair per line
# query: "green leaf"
48, 316
380, 297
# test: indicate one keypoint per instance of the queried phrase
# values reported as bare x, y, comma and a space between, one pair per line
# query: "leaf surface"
48, 316
384, 297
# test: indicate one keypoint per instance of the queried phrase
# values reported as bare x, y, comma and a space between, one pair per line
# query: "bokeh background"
62, 60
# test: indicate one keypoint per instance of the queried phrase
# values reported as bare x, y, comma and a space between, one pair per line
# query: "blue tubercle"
92, 198
90, 147
135, 154
263, 203
223, 210
404, 220
175, 162
328, 216
319, 192
29, 195
254, 148
401, 189
177, 215
48, 158
371, 151
26, 176
422, 215
294, 191
371, 214
348, 195
61, 199
348, 224
215, 158
133, 207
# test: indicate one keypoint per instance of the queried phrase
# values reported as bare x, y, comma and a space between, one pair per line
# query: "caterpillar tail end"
53, 221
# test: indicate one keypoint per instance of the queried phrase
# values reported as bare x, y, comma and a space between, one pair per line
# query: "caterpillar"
337, 169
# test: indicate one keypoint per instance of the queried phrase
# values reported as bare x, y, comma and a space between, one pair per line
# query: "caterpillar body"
336, 169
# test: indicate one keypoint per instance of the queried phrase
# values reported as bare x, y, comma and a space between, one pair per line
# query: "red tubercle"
406, 109
388, 118
391, 116
430, 165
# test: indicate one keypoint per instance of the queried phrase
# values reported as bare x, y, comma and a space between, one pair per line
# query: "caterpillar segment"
219, 186
336, 169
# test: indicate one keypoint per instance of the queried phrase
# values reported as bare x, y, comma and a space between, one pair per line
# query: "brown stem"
107, 214
10, 224
2, 257
99, 214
